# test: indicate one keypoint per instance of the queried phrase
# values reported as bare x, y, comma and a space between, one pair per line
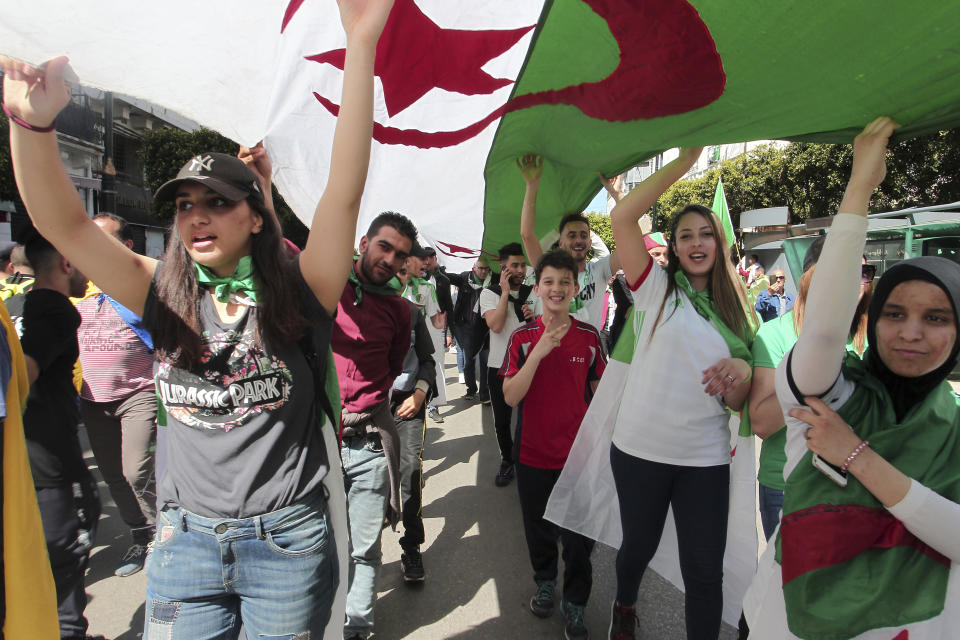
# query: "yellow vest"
31, 594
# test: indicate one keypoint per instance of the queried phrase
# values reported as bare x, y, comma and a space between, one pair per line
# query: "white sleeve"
488, 301
600, 250
602, 270
932, 518
834, 397
430, 304
831, 302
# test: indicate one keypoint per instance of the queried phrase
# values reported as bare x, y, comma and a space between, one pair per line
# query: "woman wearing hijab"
868, 547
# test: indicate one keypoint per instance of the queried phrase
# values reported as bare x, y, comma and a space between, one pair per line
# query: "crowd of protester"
226, 386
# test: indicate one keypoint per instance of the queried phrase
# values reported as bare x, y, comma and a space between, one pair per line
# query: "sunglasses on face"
867, 273
781, 277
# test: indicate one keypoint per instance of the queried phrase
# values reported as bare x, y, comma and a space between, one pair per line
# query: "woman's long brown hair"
279, 309
858, 325
725, 288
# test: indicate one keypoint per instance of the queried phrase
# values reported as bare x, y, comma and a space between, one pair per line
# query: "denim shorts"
275, 573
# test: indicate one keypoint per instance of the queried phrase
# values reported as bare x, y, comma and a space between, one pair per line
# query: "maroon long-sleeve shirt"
369, 343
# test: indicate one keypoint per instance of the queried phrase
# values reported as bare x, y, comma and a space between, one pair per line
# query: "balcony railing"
81, 122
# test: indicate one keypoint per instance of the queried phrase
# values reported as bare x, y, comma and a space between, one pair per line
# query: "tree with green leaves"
600, 225
810, 178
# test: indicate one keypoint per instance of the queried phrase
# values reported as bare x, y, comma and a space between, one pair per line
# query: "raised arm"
832, 299
531, 166
631, 250
327, 258
34, 96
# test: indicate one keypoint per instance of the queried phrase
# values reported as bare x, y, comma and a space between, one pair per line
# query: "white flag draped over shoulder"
585, 497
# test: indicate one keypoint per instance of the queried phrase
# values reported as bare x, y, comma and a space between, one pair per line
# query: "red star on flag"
415, 55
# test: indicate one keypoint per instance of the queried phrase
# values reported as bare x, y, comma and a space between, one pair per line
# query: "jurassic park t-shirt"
243, 437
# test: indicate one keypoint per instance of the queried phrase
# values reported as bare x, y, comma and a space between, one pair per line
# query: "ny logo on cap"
197, 163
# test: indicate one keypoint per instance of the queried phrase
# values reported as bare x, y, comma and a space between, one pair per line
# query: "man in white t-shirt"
574, 238
504, 307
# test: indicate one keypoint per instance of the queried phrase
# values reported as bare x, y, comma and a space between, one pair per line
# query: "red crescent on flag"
456, 251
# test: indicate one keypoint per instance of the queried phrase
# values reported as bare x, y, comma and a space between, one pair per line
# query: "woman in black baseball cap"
242, 336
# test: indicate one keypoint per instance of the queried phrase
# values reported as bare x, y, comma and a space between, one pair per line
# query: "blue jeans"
275, 573
367, 483
771, 504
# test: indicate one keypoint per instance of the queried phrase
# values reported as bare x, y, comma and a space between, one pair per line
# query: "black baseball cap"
221, 172
417, 251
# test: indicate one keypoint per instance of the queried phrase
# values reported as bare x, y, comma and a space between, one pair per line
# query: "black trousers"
502, 413
68, 557
542, 536
411, 432
700, 498
463, 334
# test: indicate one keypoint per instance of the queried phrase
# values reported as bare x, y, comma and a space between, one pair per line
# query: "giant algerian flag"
463, 88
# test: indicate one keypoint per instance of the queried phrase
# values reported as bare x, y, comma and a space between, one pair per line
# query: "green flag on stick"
720, 208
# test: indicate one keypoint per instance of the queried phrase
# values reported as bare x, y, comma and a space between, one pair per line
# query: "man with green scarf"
371, 329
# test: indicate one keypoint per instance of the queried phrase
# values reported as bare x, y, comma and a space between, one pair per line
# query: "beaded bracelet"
853, 455
26, 125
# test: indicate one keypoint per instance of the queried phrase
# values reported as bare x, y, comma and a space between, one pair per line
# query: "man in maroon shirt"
371, 336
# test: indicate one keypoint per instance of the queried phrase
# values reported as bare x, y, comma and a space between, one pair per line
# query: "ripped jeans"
276, 574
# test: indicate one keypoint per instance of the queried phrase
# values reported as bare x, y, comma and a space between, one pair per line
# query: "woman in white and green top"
671, 441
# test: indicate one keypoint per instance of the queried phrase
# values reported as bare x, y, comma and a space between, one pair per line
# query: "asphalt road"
479, 579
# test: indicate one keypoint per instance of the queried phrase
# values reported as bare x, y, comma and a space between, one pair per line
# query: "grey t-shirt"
242, 435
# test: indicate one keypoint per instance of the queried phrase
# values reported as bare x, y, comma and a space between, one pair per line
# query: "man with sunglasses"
774, 301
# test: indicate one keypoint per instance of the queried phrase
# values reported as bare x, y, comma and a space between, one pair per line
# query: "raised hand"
612, 185
257, 159
870, 152
690, 155
364, 19
35, 94
869, 165
531, 166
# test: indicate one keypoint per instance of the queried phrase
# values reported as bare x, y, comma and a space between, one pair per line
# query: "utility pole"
108, 178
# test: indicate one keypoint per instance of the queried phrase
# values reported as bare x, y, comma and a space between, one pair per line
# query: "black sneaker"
411, 563
575, 629
484, 398
132, 561
623, 622
541, 604
470, 396
505, 475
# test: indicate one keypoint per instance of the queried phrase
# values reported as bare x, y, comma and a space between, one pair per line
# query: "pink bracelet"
26, 125
853, 455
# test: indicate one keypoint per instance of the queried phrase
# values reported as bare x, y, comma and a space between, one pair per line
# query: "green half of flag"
847, 564
609, 83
